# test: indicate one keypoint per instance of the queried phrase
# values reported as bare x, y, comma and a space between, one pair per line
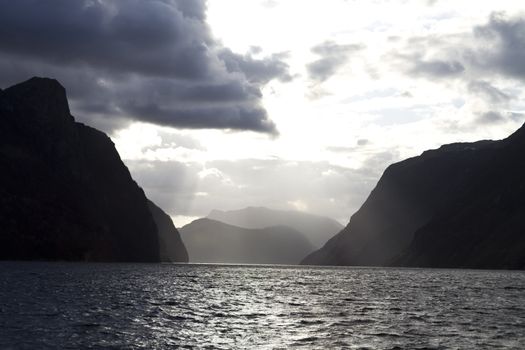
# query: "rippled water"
148, 306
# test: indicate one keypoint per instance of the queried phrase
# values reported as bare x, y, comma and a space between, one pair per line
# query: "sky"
287, 104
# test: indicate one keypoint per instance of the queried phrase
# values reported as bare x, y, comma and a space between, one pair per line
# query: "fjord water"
158, 306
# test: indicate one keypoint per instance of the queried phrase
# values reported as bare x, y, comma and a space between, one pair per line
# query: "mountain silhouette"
171, 247
211, 241
317, 229
460, 206
65, 194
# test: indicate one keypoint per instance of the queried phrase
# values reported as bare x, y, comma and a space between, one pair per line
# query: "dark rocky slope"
64, 192
317, 229
462, 205
172, 248
211, 241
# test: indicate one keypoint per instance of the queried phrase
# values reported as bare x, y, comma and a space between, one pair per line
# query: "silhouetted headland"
460, 206
65, 194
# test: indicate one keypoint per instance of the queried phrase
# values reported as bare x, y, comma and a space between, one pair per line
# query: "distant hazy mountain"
65, 194
211, 241
317, 229
462, 205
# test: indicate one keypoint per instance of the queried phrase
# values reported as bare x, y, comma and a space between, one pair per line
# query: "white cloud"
411, 88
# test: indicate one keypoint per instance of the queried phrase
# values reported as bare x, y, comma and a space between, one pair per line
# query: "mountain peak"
44, 87
42, 82
212, 241
40, 98
317, 229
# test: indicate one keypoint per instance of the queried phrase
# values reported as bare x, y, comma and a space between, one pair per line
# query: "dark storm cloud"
504, 51
332, 57
153, 37
115, 55
194, 8
240, 118
257, 70
227, 105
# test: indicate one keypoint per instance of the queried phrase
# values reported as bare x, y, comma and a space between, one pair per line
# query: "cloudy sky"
281, 103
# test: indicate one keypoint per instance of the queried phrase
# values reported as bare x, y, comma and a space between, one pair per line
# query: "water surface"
158, 306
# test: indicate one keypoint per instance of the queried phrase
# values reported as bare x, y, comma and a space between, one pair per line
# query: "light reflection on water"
157, 306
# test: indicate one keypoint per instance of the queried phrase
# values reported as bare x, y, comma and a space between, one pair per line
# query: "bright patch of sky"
373, 82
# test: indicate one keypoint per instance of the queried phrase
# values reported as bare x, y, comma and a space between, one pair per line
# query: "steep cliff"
64, 192
172, 248
461, 205
485, 226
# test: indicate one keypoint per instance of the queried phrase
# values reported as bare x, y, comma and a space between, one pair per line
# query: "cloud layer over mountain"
154, 61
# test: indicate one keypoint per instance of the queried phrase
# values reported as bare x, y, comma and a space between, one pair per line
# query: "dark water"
134, 306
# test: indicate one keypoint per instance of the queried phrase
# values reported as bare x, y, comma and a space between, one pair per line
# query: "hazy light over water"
154, 306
